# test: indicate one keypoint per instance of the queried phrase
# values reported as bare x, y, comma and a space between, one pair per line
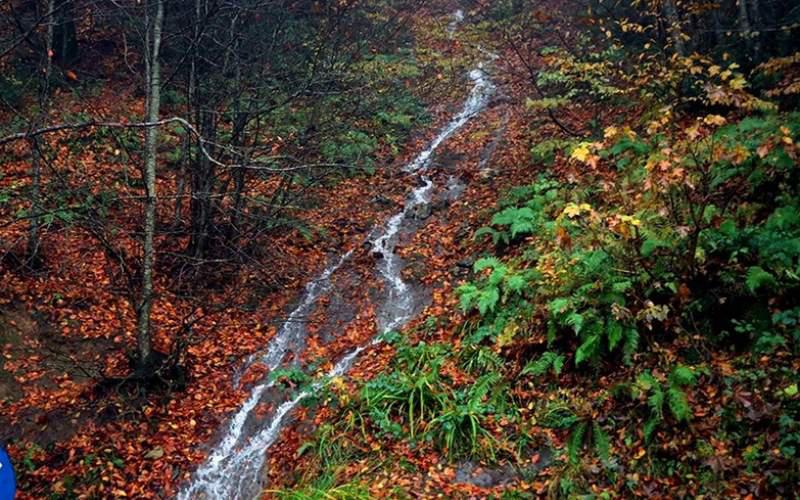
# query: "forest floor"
71, 324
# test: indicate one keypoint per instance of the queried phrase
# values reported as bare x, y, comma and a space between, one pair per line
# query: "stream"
234, 467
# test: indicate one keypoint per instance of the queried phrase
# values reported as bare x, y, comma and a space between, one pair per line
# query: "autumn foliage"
610, 277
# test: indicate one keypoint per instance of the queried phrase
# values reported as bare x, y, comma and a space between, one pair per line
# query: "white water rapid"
234, 468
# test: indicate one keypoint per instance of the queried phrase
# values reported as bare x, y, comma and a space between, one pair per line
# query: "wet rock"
382, 201
422, 212
486, 477
421, 181
500, 98
466, 263
464, 232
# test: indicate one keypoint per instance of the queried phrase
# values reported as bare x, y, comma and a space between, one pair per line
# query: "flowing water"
234, 468
456, 19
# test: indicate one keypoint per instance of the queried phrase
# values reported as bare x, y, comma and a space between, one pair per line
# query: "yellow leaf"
714, 120
507, 336
740, 155
581, 152
155, 453
629, 219
738, 83
610, 132
572, 210
714, 70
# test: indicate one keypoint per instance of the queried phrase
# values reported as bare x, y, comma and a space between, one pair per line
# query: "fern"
546, 361
559, 305
680, 377
656, 401
679, 404
516, 283
575, 320
602, 444
631, 345
575, 442
650, 426
487, 263
757, 278
615, 334
497, 236
672, 393
467, 295
487, 300
588, 349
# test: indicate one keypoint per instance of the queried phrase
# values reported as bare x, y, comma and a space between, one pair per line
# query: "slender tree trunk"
202, 187
757, 25
65, 39
202, 171
239, 179
151, 142
33, 257
191, 89
674, 20
744, 26
36, 160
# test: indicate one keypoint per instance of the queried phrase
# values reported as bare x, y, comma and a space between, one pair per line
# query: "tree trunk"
65, 40
674, 20
202, 170
744, 24
34, 259
202, 186
757, 25
151, 141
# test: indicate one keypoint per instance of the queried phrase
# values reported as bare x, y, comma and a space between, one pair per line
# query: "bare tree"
153, 104
36, 154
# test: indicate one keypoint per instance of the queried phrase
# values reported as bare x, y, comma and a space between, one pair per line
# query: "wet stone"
422, 212
486, 477
382, 200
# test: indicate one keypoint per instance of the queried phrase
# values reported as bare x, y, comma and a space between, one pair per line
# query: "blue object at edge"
8, 485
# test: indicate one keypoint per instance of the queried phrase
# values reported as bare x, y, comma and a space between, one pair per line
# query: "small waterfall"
482, 90
226, 467
457, 18
233, 469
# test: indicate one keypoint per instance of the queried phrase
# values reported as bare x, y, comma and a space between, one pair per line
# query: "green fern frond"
602, 445
757, 278
679, 404
487, 263
575, 442
546, 361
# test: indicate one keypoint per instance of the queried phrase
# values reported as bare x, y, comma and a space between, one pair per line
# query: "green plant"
547, 361
458, 427
671, 394
324, 489
479, 359
514, 220
576, 418
412, 392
